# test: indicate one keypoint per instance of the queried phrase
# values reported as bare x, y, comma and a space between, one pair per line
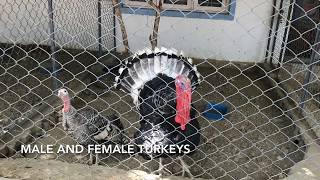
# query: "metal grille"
262, 65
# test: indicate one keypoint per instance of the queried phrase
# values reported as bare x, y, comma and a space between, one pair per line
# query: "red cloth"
183, 92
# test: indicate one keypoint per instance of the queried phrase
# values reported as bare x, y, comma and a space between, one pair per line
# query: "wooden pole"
153, 38
118, 14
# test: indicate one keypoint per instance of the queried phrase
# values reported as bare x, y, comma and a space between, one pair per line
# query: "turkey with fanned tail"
161, 83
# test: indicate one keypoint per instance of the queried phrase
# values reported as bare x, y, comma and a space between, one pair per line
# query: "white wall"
243, 39
16, 24
26, 22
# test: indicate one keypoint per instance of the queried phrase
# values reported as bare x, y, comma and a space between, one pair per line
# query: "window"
167, 4
137, 3
211, 9
220, 6
177, 4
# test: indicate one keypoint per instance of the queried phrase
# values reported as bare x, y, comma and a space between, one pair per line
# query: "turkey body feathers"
87, 127
158, 95
157, 107
155, 130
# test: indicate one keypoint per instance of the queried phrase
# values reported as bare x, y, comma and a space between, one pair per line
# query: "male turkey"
87, 126
161, 83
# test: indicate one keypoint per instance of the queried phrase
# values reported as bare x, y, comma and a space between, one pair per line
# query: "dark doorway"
306, 17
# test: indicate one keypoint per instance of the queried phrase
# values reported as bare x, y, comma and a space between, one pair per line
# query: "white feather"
134, 55
157, 63
134, 75
195, 68
169, 51
182, 53
126, 85
151, 68
135, 93
145, 70
137, 67
185, 70
173, 73
164, 64
140, 52
198, 75
156, 50
103, 134
116, 78
163, 49
182, 68
121, 70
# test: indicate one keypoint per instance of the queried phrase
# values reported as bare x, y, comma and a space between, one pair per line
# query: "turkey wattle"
87, 127
161, 83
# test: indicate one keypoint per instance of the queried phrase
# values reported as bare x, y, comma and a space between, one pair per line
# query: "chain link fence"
259, 59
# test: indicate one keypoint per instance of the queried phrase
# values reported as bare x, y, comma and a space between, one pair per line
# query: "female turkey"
88, 127
161, 83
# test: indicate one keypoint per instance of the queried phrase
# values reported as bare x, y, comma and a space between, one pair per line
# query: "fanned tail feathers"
147, 64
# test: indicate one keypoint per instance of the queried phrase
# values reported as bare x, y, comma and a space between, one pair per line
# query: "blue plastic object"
215, 111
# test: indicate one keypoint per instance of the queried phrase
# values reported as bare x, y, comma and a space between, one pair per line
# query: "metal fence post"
99, 29
52, 43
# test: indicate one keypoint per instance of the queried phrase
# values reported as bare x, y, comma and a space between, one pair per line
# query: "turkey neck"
66, 104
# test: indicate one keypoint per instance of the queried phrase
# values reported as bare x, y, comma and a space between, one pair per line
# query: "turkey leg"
92, 160
185, 168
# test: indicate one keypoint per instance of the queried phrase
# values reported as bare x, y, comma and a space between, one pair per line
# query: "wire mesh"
254, 60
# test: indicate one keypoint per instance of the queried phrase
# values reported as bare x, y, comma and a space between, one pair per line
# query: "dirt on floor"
256, 139
32, 169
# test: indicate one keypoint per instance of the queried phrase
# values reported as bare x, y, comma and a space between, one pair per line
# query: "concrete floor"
256, 140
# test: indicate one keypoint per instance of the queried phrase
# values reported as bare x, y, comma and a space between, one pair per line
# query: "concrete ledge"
307, 169
34, 169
